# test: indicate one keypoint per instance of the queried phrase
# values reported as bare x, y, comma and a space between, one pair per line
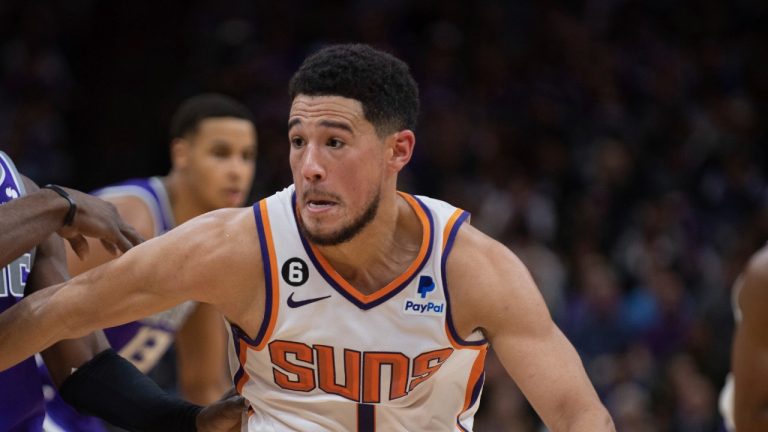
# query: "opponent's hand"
222, 416
97, 218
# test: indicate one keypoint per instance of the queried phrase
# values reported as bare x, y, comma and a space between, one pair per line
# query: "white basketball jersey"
727, 395
328, 358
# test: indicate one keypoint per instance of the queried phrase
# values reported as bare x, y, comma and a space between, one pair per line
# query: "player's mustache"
318, 194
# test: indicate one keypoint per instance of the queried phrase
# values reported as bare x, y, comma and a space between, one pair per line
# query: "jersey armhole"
476, 339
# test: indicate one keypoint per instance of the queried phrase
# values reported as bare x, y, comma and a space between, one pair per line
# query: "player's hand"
222, 416
98, 218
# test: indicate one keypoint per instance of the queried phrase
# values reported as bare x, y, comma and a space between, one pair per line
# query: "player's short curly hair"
203, 106
379, 81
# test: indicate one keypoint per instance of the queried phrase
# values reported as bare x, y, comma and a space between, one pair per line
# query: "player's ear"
179, 153
400, 149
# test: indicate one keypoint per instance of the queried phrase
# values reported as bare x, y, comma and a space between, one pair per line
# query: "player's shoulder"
229, 230
755, 277
224, 237
225, 221
476, 252
758, 263
479, 267
487, 282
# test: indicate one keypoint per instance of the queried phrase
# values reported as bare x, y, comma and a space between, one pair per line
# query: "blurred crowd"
616, 146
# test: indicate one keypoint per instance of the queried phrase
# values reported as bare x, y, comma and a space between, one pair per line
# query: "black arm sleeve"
110, 387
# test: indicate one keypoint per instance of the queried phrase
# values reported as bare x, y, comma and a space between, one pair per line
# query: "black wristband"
110, 387
70, 217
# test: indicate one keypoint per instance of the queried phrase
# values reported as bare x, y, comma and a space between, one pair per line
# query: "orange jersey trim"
274, 282
475, 376
449, 226
398, 281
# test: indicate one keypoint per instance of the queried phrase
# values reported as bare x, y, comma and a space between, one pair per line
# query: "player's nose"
239, 168
311, 163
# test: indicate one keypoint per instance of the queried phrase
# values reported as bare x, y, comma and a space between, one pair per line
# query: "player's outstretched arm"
204, 260
27, 221
750, 349
200, 343
491, 290
138, 404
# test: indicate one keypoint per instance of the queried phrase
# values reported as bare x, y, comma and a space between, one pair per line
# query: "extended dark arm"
27, 221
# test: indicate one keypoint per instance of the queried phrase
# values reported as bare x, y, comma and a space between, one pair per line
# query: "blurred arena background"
617, 146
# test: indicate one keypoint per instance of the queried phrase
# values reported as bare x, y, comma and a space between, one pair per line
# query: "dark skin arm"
750, 348
28, 220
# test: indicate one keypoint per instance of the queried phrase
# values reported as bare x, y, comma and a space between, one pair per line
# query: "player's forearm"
27, 221
592, 420
575, 414
24, 330
750, 417
202, 394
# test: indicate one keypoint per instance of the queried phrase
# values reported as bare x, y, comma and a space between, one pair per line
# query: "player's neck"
382, 250
183, 202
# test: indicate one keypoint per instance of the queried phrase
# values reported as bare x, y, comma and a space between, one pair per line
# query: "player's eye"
249, 155
297, 142
335, 143
220, 152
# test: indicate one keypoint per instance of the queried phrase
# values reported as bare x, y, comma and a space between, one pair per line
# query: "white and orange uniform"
330, 358
728, 393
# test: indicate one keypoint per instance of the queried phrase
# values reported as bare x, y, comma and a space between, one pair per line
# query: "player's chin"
321, 227
231, 200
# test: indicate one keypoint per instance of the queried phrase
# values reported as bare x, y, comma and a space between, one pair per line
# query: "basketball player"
31, 258
213, 153
372, 309
744, 400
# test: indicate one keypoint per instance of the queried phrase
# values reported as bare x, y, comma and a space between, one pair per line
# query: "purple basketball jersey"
21, 396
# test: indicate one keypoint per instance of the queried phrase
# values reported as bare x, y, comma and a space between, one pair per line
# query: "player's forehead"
224, 125
318, 110
226, 129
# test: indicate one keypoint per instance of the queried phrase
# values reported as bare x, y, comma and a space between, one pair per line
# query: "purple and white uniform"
21, 396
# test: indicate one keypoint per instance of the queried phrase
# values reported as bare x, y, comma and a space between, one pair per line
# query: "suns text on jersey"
301, 367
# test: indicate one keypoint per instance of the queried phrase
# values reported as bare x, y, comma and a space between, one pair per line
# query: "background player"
363, 243
744, 400
32, 257
213, 152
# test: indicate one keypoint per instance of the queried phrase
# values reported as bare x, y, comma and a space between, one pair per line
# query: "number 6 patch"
295, 272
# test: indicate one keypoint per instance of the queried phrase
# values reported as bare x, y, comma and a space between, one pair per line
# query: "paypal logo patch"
426, 285
420, 305
424, 308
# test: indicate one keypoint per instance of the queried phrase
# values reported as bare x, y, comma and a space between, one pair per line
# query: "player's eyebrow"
324, 123
336, 125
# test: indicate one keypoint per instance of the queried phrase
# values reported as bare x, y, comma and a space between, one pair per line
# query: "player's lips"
318, 202
319, 205
235, 196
